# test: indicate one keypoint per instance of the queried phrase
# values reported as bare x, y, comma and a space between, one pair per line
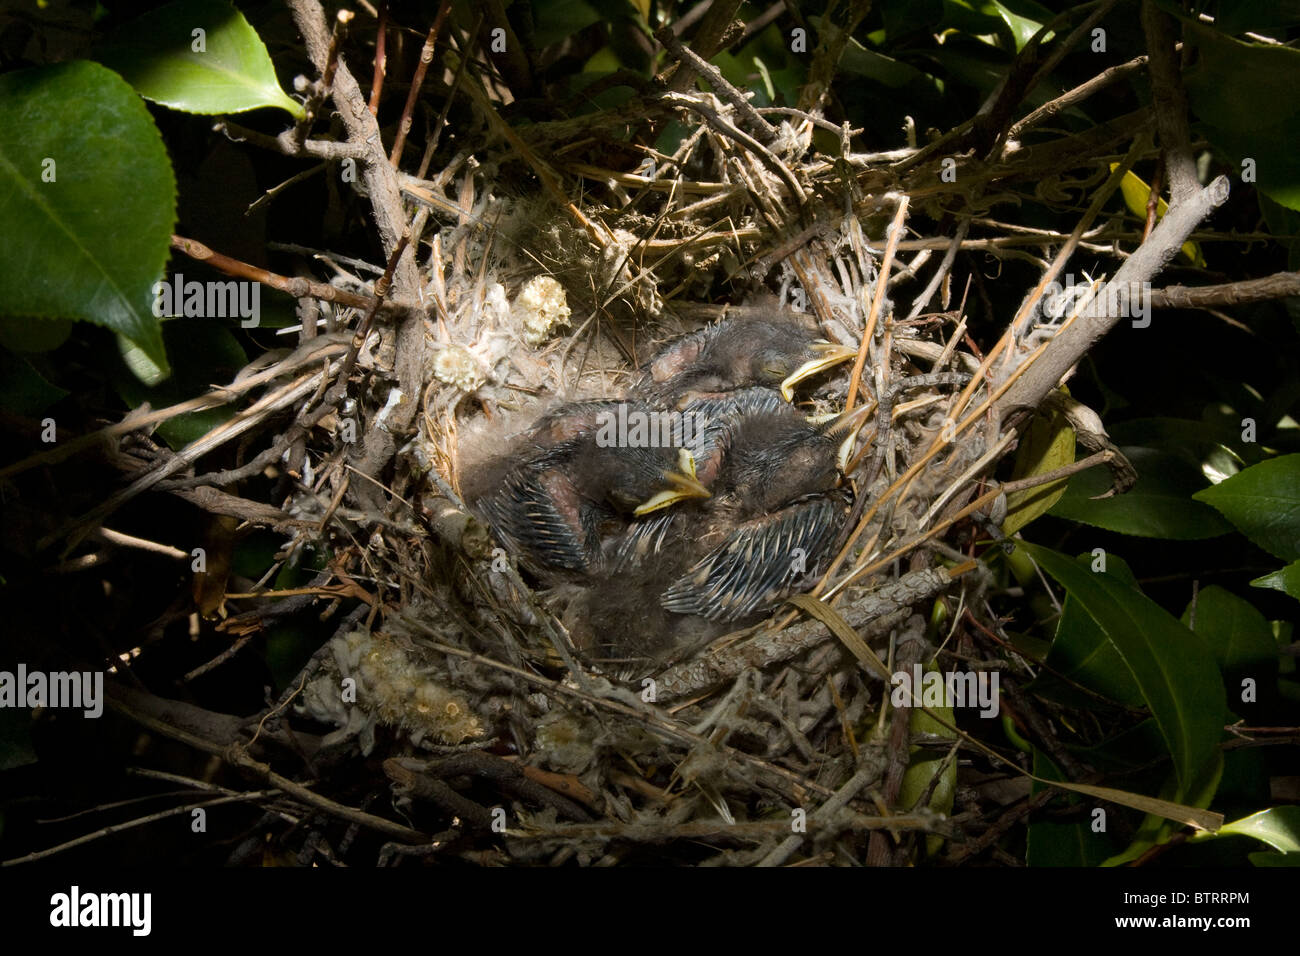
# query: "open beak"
826, 355
682, 484
845, 428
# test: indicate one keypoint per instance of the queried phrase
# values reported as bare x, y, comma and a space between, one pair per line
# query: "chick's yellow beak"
682, 485
846, 428
827, 354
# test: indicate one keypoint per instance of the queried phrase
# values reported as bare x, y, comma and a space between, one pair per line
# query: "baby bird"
777, 351
774, 515
567, 487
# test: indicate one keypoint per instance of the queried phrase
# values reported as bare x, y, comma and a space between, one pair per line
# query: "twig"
706, 41
882, 276
1280, 285
381, 60
296, 286
132, 824
341, 20
426, 57
719, 123
1072, 98
1070, 344
286, 143
1170, 101
760, 127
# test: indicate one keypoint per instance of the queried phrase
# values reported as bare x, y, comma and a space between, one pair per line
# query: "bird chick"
776, 351
567, 486
773, 517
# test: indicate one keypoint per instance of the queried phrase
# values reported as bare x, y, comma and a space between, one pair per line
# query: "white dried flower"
457, 366
542, 306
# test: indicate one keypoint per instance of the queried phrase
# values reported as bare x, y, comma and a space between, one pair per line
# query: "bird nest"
497, 728
545, 265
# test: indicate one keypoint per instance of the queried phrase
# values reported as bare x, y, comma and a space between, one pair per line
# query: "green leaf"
205, 352
1062, 844
1173, 668
1154, 829
894, 74
978, 17
1257, 16
23, 390
1204, 445
1082, 654
1264, 503
1237, 634
1286, 580
1048, 444
95, 238
1131, 751
33, 335
141, 366
1244, 94
556, 20
1279, 827
1275, 859
1160, 505
199, 56
925, 763
902, 17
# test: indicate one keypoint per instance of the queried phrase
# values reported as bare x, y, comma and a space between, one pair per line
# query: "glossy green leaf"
1130, 751
146, 371
1160, 505
1244, 94
83, 169
1279, 827
1286, 580
1048, 444
885, 70
1208, 446
199, 56
979, 17
1173, 668
1237, 634
1082, 654
1264, 503
204, 352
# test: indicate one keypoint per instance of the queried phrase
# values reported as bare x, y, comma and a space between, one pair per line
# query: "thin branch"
1280, 285
1170, 101
426, 57
1069, 345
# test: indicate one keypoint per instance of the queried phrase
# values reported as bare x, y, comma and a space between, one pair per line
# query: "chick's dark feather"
730, 354
561, 491
771, 521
